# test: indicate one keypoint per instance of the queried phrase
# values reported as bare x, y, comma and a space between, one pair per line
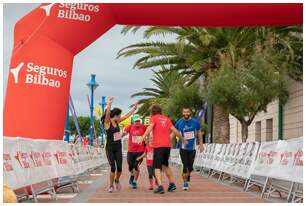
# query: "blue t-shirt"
189, 130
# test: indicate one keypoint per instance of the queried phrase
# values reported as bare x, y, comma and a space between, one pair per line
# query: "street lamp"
92, 85
67, 125
103, 103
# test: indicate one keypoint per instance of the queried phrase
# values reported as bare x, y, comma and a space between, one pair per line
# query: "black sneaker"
159, 190
171, 187
131, 180
134, 185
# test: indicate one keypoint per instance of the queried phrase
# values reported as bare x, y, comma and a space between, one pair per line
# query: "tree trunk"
220, 125
244, 131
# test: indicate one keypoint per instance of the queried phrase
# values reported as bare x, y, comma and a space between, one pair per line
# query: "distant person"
113, 148
75, 140
161, 126
86, 141
190, 129
136, 148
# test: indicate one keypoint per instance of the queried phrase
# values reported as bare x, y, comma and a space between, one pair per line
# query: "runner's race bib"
189, 135
117, 136
137, 139
150, 156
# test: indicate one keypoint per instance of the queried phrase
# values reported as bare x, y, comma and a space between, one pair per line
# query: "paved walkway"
202, 190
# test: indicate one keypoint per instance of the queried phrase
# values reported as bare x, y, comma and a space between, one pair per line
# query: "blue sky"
116, 77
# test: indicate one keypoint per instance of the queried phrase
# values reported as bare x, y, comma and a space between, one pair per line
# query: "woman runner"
113, 147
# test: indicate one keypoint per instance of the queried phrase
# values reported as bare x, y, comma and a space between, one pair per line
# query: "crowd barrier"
273, 166
41, 164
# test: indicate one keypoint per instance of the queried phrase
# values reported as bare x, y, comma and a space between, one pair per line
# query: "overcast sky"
116, 77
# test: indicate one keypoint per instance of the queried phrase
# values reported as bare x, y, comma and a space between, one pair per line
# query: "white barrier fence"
281, 160
27, 162
278, 159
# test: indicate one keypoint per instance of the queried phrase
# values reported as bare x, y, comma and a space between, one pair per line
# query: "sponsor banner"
27, 161
244, 159
235, 159
281, 160
14, 162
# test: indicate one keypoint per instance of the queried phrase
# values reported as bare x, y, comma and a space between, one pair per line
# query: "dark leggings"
150, 172
114, 156
132, 160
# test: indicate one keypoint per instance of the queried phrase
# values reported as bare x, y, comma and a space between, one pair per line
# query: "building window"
269, 129
258, 131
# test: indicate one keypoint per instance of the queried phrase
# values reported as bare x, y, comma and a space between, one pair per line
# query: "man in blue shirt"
191, 130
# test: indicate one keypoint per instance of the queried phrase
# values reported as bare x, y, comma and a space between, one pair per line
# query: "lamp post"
92, 85
67, 125
103, 103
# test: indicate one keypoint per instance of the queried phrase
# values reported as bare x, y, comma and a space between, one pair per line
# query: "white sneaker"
110, 189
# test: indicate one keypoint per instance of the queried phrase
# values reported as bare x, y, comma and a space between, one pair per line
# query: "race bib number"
137, 139
189, 135
150, 156
117, 136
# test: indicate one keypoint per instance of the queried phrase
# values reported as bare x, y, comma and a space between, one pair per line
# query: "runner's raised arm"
107, 112
129, 113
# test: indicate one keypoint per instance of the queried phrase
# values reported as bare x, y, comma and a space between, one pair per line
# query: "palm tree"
162, 83
198, 51
195, 53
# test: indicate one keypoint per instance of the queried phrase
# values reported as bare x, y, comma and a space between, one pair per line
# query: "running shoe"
159, 190
185, 186
171, 187
131, 180
118, 185
134, 185
110, 189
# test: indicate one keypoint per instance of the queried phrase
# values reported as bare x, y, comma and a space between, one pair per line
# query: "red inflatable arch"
47, 39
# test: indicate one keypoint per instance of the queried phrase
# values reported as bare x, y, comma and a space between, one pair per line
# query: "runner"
148, 154
161, 125
113, 148
190, 129
136, 148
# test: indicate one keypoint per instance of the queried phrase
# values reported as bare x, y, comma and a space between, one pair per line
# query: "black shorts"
160, 157
132, 162
187, 157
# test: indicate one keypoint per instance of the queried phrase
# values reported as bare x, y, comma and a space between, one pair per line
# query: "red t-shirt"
86, 142
161, 131
135, 135
149, 155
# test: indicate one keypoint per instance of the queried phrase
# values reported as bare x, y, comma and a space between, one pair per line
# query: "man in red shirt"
136, 148
161, 126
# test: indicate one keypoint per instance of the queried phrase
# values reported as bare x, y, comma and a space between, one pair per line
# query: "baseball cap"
136, 117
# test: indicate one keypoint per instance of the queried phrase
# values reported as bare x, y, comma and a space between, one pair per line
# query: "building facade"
265, 126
